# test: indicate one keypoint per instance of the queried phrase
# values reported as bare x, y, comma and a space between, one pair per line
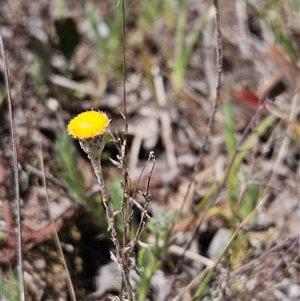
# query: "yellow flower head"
88, 125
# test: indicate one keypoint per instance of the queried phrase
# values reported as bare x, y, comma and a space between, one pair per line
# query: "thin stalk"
125, 215
126, 206
105, 199
16, 175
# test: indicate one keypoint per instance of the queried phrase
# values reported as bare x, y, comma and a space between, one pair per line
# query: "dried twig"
144, 217
16, 174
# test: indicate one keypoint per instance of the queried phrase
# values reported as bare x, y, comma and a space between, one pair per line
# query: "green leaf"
229, 126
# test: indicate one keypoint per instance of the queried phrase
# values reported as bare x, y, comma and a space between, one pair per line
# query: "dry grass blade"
16, 174
56, 238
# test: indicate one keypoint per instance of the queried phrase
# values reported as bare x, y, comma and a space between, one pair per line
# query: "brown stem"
109, 211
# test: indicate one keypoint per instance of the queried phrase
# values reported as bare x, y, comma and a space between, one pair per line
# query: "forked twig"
16, 174
144, 213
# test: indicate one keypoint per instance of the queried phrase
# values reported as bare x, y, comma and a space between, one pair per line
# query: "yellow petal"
88, 125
